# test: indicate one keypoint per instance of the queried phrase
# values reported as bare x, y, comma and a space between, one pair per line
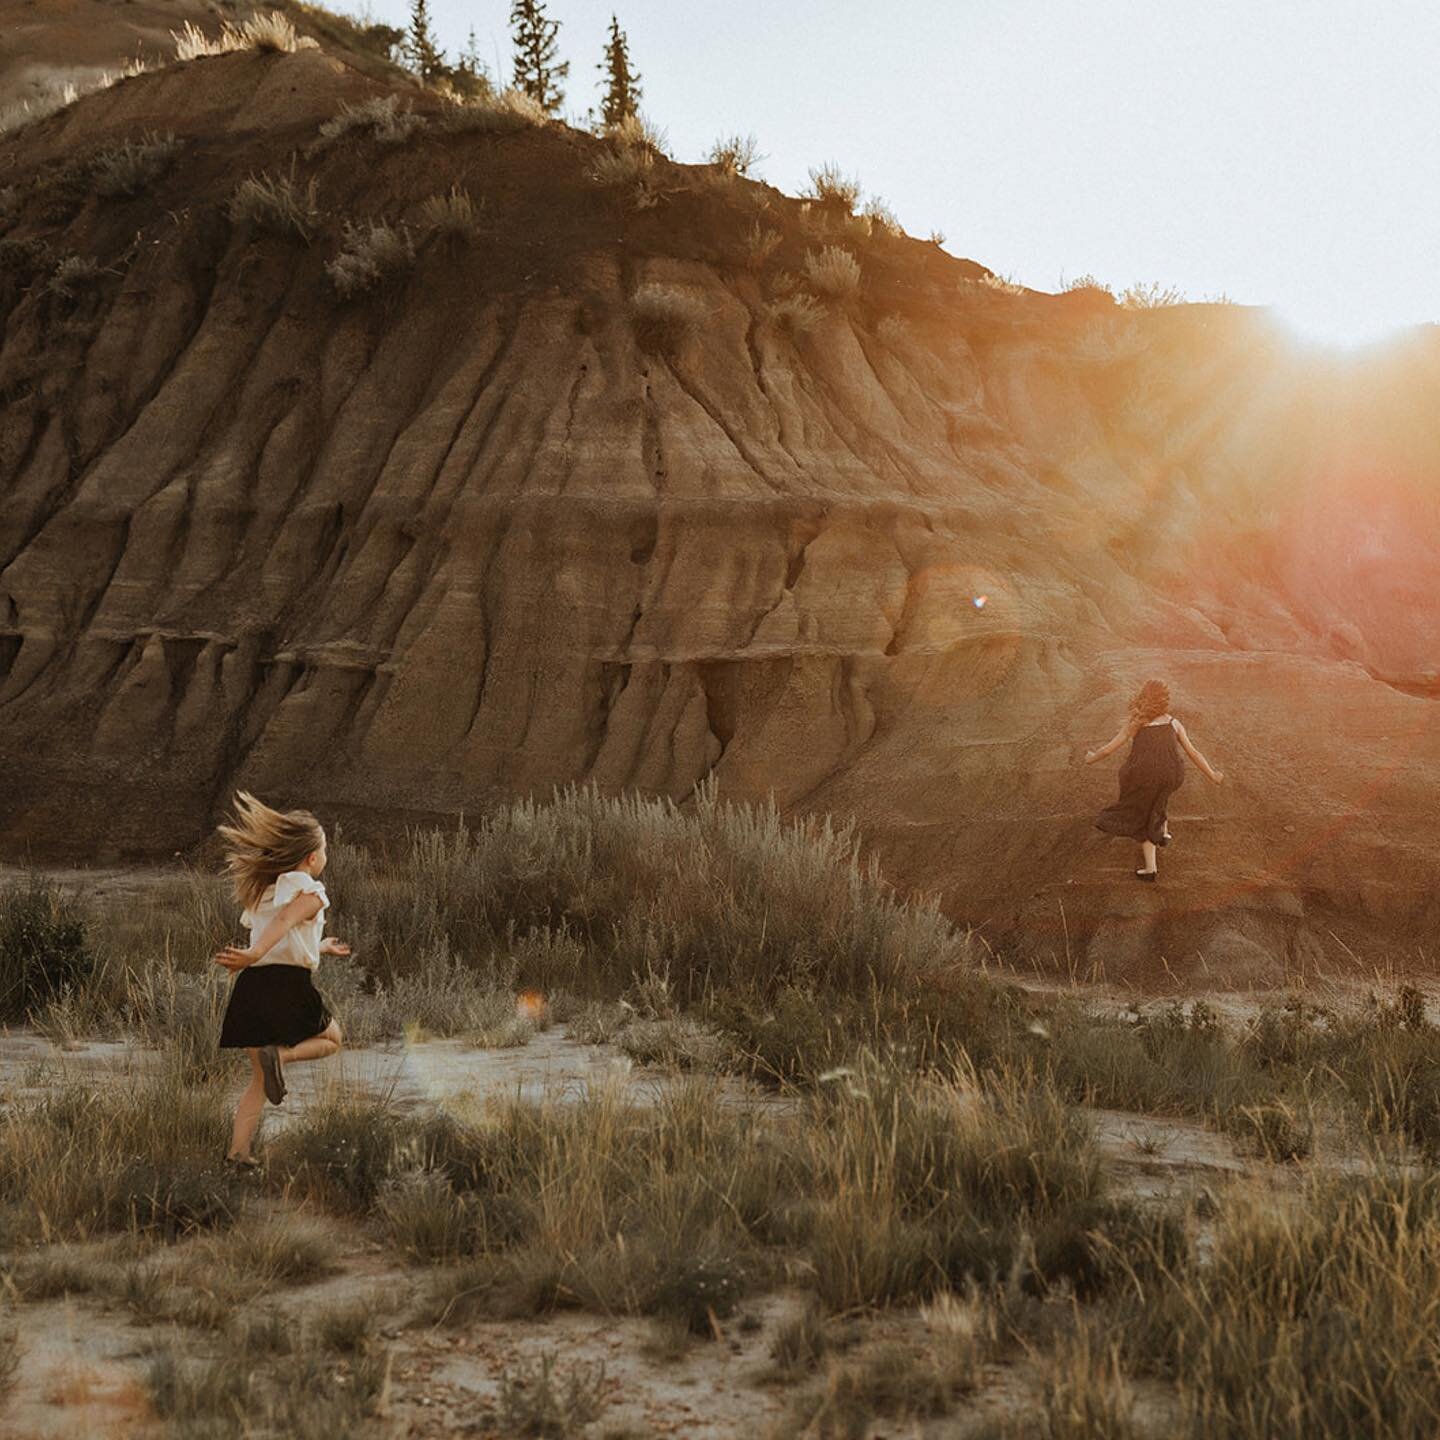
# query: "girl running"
275, 1013
1152, 772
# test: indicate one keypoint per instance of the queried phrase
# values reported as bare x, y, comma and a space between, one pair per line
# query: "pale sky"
1280, 152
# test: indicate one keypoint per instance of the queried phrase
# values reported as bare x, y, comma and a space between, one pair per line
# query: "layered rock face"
495, 527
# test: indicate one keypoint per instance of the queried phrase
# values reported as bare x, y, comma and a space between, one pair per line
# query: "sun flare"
1338, 327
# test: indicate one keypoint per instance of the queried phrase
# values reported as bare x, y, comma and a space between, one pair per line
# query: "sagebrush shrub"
381, 117
799, 314
44, 947
73, 274
833, 272
372, 252
126, 169
665, 317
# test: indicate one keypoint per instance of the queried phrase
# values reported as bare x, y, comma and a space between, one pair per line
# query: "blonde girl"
275, 1013
1151, 774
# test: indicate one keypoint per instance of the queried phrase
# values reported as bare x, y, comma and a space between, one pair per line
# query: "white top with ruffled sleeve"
302, 945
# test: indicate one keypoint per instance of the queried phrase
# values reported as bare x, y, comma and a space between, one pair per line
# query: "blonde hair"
261, 844
1151, 701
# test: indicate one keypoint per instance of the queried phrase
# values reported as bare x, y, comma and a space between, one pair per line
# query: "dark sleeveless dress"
1151, 774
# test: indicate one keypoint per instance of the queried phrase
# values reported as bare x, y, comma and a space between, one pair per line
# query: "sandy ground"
84, 1358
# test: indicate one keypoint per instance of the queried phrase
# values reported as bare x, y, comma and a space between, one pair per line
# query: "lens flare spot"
980, 601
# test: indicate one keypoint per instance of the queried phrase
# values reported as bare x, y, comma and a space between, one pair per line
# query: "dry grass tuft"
1153, 296
276, 204
630, 165
636, 132
373, 252
828, 187
833, 273
274, 33
10, 1353
1004, 284
1087, 282
882, 218
453, 217
1086, 1394
666, 318
380, 118
495, 113
41, 107
760, 244
799, 314
548, 1401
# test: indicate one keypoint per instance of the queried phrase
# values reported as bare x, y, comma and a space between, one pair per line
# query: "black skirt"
272, 1005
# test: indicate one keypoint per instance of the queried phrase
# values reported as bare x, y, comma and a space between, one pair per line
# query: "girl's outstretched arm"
293, 913
1091, 756
1201, 763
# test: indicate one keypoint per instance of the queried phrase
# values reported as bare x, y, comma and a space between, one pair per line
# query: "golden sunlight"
1340, 326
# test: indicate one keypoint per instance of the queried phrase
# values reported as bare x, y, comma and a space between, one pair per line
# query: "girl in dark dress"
275, 1013
1152, 773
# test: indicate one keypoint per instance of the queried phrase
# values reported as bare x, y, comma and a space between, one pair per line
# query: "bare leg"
1147, 851
317, 1047
247, 1112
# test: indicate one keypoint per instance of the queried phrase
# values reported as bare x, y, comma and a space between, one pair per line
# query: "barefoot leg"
247, 1112
1147, 855
317, 1047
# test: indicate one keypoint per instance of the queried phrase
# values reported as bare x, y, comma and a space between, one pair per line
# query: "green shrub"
44, 947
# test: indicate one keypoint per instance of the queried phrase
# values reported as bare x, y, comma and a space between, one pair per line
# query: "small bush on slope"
126, 169
373, 252
799, 314
735, 154
833, 272
830, 188
380, 118
665, 317
453, 217
276, 204
508, 111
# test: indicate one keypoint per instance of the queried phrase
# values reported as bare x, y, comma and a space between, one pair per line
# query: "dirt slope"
467, 536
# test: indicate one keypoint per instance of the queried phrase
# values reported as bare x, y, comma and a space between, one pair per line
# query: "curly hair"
261, 844
1151, 701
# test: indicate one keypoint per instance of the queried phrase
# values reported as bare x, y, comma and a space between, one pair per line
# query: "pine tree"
622, 84
471, 76
537, 72
426, 58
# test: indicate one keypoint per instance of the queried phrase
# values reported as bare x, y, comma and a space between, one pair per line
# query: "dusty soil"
84, 1360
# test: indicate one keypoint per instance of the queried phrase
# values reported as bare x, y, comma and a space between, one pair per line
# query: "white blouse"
301, 946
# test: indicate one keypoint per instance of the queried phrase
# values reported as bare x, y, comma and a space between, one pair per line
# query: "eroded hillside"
570, 499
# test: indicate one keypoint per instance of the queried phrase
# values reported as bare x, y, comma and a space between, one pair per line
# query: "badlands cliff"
493, 526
